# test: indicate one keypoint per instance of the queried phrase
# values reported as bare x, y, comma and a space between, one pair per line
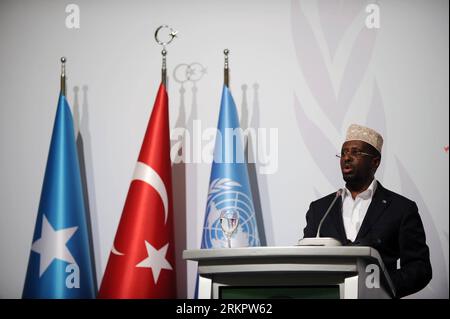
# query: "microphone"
322, 241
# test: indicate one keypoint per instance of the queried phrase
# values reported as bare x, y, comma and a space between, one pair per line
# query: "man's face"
357, 167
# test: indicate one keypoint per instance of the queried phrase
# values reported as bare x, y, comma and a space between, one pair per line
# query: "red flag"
142, 262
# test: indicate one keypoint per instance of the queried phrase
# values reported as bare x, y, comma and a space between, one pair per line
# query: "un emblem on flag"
229, 206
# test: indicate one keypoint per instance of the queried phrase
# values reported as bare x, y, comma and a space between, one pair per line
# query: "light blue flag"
230, 216
60, 263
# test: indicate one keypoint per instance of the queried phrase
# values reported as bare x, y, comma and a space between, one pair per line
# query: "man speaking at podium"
370, 215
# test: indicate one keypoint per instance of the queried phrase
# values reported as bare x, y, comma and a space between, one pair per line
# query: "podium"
291, 272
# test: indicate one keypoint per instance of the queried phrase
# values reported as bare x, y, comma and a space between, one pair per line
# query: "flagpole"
226, 70
63, 76
172, 35
163, 67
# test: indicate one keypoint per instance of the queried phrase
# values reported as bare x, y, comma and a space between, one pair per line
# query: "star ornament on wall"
156, 260
53, 245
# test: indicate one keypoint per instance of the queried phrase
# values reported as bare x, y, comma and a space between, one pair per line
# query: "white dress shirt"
354, 210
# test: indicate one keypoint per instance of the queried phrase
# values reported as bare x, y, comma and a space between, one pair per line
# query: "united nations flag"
230, 215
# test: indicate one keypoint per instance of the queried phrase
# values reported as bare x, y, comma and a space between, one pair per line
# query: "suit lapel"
338, 221
380, 202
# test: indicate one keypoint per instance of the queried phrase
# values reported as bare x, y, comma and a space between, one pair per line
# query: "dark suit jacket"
392, 226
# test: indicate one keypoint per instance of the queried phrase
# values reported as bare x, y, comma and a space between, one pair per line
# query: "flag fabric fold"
60, 263
230, 215
142, 262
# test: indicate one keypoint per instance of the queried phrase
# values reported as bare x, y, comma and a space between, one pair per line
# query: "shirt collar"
367, 194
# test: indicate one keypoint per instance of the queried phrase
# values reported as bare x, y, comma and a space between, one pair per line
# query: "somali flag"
230, 215
60, 263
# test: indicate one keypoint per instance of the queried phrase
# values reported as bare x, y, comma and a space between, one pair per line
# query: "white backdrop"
307, 68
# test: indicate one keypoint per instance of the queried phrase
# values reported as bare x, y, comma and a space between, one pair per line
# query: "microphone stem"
326, 213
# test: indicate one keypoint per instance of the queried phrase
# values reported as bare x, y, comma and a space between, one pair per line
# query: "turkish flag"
142, 262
